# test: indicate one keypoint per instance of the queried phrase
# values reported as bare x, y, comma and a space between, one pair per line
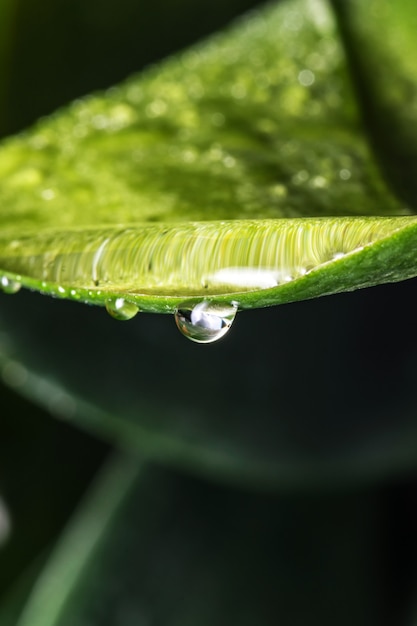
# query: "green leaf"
35, 440
295, 395
385, 76
255, 263
254, 125
321, 392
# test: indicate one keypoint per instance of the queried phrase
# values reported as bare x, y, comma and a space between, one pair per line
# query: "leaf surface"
385, 76
257, 127
174, 179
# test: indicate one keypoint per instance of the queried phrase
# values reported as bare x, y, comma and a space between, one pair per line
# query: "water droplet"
319, 182
306, 78
48, 194
9, 286
229, 161
301, 177
238, 91
188, 156
156, 108
204, 322
345, 174
120, 309
218, 119
99, 121
279, 191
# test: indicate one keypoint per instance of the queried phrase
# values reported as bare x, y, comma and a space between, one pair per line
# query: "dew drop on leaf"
120, 309
204, 322
8, 285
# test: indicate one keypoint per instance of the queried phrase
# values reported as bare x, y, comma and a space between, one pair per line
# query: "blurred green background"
324, 391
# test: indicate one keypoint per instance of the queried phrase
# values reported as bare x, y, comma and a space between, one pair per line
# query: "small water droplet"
229, 161
9, 286
345, 174
239, 91
279, 191
306, 78
156, 108
189, 156
120, 309
48, 194
204, 322
319, 182
301, 177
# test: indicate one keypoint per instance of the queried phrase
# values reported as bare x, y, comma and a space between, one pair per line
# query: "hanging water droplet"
8, 285
204, 322
120, 309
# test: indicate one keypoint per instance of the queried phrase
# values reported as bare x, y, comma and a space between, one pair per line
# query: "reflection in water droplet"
204, 322
8, 285
120, 309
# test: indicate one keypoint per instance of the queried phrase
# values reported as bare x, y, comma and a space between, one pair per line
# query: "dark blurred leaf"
13, 600
83, 541
181, 552
45, 465
317, 391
